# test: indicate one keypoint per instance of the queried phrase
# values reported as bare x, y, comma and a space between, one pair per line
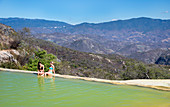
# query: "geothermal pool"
21, 89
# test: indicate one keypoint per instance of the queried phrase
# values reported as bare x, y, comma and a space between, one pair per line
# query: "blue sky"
78, 11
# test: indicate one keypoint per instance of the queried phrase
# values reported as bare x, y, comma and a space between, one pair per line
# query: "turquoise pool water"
20, 89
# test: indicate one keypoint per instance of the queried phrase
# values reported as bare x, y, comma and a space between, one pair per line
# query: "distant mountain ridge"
38, 24
125, 37
133, 30
137, 24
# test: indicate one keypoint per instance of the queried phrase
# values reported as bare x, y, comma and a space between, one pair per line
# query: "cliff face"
5, 40
8, 56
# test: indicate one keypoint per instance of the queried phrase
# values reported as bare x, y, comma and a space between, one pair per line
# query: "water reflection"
52, 82
49, 81
41, 82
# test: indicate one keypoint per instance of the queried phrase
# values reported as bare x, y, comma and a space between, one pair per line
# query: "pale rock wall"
8, 56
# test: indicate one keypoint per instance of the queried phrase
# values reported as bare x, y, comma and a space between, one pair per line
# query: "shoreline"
159, 84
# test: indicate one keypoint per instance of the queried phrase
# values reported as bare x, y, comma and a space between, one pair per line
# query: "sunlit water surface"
20, 89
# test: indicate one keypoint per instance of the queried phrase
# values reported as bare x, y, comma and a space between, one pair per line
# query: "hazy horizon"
80, 11
81, 22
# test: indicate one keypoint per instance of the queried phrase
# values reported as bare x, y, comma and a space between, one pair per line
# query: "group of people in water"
41, 69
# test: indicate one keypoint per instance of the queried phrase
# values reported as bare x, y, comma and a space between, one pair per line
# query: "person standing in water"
40, 68
51, 70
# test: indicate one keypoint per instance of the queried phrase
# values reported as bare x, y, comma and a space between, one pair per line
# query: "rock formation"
8, 56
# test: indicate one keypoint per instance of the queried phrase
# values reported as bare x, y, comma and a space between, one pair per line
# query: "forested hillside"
71, 62
124, 37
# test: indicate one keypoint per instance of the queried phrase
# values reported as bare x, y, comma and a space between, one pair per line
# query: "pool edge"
137, 82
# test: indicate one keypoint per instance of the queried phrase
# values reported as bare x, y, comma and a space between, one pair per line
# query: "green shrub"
43, 57
10, 65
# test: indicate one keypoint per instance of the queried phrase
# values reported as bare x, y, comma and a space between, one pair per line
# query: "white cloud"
114, 19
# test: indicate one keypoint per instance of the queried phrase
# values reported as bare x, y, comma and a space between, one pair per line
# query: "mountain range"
130, 38
20, 51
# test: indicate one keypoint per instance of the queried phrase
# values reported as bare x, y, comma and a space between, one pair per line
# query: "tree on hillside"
43, 57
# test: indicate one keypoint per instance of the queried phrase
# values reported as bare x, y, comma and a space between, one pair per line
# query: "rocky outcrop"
9, 56
5, 40
5, 30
